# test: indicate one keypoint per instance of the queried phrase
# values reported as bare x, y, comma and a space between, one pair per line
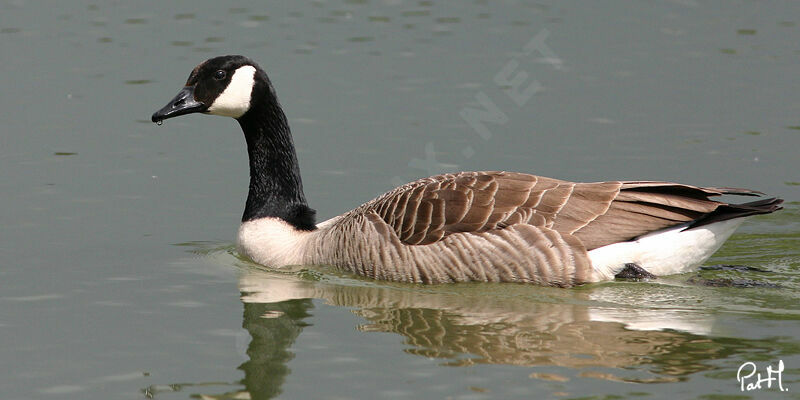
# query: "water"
120, 281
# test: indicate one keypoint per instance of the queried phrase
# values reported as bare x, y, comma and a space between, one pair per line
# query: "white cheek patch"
235, 100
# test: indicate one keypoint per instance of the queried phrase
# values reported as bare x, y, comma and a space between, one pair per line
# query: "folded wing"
598, 214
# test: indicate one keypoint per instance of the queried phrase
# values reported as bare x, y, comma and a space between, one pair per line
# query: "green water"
119, 280
675, 335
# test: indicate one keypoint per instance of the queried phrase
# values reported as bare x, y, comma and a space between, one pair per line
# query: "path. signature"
750, 369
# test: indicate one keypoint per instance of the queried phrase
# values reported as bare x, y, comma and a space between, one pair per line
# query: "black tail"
730, 211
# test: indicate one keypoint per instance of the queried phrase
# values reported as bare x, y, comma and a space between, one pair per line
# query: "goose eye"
219, 75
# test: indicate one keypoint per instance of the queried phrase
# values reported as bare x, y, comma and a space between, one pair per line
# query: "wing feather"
595, 214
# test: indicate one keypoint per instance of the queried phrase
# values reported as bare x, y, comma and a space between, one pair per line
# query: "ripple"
33, 298
136, 21
359, 39
63, 389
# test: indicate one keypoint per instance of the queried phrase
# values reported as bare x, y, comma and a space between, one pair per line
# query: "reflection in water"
518, 325
273, 328
630, 332
474, 324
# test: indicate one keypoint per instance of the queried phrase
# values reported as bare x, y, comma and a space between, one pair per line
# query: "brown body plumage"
509, 227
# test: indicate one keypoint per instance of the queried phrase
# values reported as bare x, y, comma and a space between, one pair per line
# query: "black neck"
276, 189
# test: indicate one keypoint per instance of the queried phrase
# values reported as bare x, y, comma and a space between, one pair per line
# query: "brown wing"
427, 210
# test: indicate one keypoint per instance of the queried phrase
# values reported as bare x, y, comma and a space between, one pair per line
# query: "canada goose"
469, 226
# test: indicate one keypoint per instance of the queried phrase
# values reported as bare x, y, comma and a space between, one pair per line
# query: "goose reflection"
273, 328
602, 326
632, 332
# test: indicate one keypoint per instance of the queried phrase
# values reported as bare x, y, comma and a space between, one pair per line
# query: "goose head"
235, 86
219, 86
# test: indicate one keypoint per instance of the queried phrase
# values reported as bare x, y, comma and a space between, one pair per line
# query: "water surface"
119, 278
